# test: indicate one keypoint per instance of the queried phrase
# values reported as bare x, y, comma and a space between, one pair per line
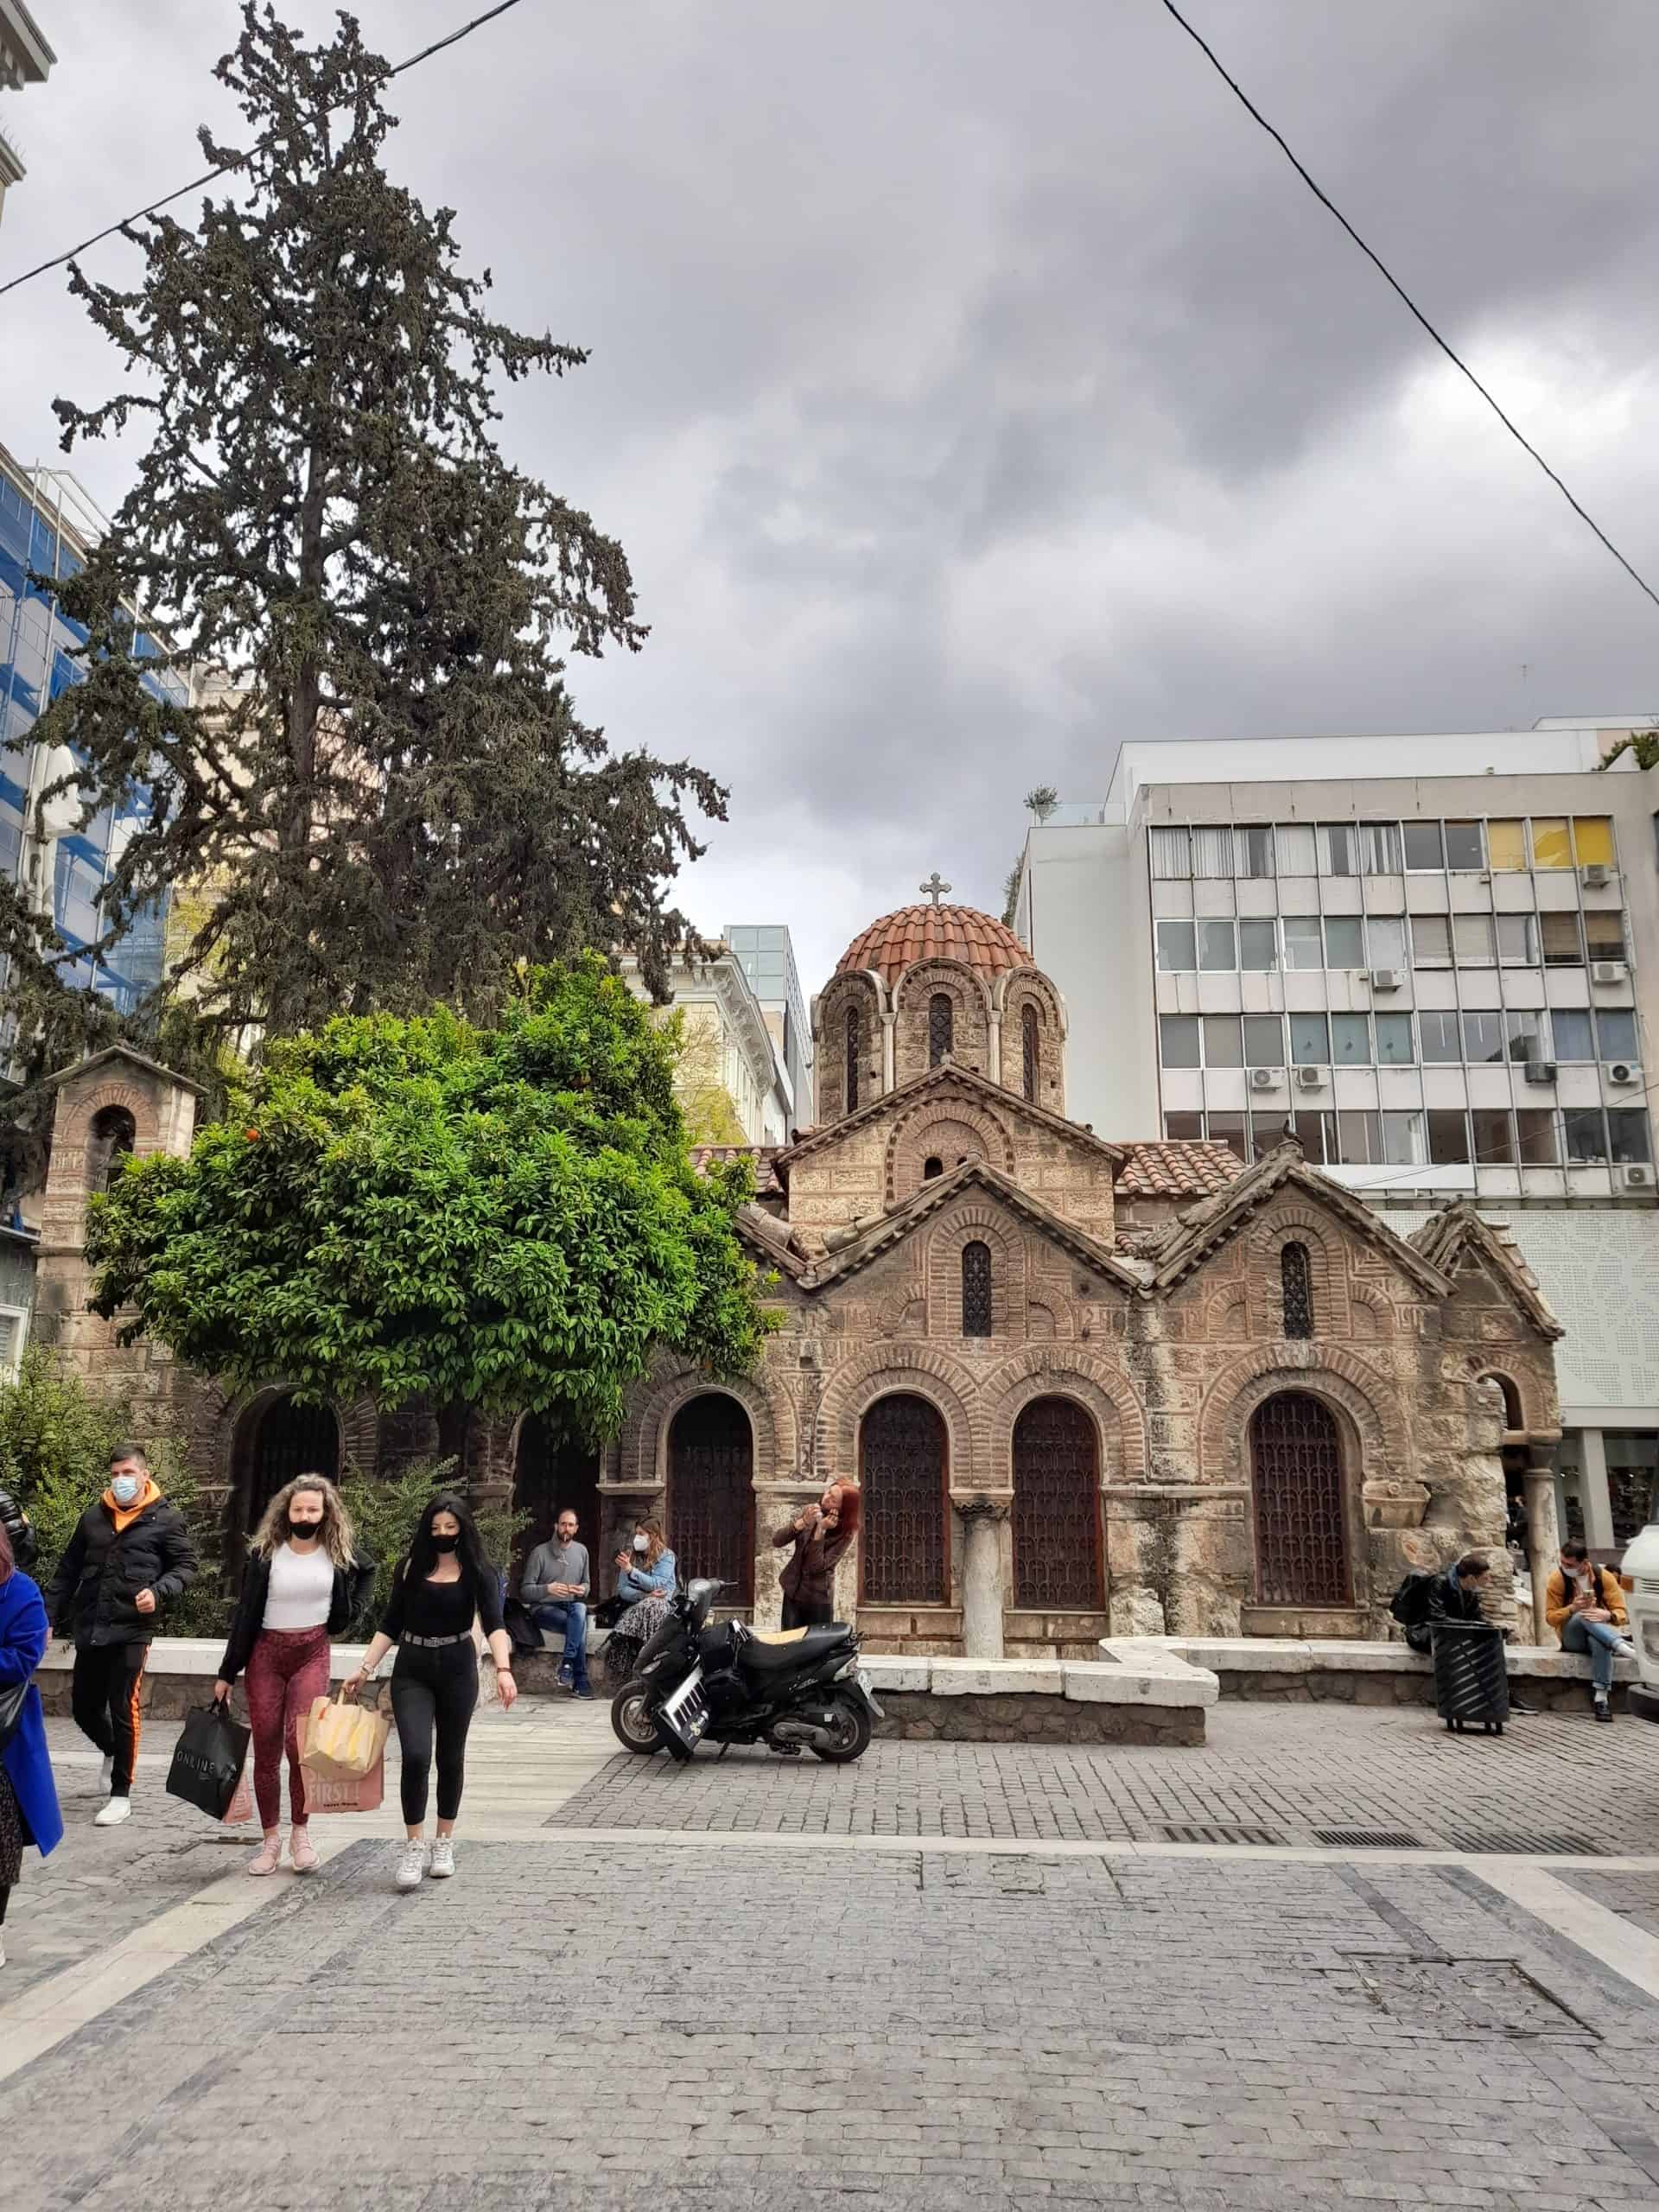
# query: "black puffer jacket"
15, 1521
353, 1586
91, 1596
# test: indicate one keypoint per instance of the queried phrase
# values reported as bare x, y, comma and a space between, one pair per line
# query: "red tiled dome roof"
924, 932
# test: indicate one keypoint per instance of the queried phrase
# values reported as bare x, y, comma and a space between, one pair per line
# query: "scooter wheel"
850, 1727
631, 1721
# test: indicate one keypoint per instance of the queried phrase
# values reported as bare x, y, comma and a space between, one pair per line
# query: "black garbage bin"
1472, 1675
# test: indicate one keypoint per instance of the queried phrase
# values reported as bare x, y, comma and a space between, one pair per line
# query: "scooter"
793, 1689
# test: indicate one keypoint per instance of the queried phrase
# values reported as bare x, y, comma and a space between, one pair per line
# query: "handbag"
13, 1699
208, 1759
342, 1742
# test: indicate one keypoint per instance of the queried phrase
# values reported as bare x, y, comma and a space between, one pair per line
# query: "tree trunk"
454, 1425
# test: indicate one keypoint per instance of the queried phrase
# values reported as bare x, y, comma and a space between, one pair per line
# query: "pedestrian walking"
1585, 1606
437, 1591
28, 1797
129, 1557
305, 1582
820, 1534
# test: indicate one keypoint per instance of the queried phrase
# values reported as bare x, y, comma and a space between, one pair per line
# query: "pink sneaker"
301, 1855
265, 1860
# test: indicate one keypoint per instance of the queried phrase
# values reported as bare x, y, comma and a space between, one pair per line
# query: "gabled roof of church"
1178, 1167
96, 1060
1445, 1237
893, 1227
1203, 1228
947, 1074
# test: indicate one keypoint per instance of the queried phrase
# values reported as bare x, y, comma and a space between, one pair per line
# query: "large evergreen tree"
390, 800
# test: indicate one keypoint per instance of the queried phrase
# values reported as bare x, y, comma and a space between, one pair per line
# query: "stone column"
982, 1515
1543, 1539
889, 1053
1594, 1496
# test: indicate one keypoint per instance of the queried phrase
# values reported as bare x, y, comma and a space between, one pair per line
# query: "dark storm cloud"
974, 387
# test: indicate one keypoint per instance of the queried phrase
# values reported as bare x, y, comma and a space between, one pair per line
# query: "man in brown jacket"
821, 1533
1585, 1606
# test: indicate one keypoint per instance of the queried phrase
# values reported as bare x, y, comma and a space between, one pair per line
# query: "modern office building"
731, 1083
25, 59
1432, 959
768, 960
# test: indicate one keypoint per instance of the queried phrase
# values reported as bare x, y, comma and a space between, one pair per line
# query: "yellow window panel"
1551, 846
1593, 836
1506, 844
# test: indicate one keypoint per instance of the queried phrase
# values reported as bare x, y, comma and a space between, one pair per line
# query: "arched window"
976, 1290
110, 1144
941, 1019
1513, 1417
1297, 1284
854, 1054
1029, 1062
931, 1165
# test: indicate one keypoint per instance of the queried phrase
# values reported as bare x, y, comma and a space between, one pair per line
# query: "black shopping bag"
208, 1760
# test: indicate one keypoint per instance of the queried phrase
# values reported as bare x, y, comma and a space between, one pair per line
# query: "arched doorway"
281, 1438
711, 1493
902, 1466
549, 1472
1056, 1508
1301, 1522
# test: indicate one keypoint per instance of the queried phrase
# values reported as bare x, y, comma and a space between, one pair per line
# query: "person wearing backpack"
1453, 1595
1585, 1606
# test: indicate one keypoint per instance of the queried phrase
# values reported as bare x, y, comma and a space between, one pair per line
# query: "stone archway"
1303, 1557
711, 1493
1056, 1516
905, 1550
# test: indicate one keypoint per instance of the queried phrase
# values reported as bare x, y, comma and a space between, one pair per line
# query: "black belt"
436, 1642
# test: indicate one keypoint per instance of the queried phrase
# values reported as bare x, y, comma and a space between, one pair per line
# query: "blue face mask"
125, 1488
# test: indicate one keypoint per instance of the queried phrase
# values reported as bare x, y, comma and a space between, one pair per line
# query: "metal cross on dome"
935, 888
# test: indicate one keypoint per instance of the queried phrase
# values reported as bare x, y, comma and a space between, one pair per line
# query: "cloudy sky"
974, 385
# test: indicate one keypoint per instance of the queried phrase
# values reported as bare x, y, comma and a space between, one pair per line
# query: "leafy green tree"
387, 798
482, 1218
1642, 744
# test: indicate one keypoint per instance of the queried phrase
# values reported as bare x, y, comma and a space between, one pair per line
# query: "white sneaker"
1626, 1649
106, 1775
411, 1867
113, 1815
443, 1859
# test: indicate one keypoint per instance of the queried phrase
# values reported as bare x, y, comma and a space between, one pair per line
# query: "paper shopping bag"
240, 1809
358, 1793
341, 1743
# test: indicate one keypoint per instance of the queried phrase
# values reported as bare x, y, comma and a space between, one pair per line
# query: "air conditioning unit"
1386, 979
1312, 1078
1267, 1078
1621, 1071
1595, 875
1608, 971
1541, 1070
1635, 1175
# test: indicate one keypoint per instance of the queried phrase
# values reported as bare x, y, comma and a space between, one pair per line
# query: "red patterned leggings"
289, 1669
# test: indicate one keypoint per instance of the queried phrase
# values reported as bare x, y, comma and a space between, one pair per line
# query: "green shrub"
385, 1511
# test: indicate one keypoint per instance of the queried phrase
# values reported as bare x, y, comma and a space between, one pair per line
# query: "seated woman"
820, 1533
648, 1570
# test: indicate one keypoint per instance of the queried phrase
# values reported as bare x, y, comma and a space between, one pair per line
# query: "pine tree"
389, 799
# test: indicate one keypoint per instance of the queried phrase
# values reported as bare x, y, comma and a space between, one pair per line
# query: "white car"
1640, 1573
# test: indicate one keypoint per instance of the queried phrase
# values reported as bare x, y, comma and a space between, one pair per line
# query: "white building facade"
731, 1082
1434, 959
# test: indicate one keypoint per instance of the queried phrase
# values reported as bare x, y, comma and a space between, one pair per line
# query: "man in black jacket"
131, 1555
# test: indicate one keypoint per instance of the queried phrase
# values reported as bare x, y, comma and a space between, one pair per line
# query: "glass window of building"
1472, 940
1229, 1129
1465, 847
1212, 848
1359, 1139
1584, 1135
1535, 1128
1403, 1140
1506, 845
1178, 1040
1267, 1134
1217, 945
1264, 1040
1603, 934
1394, 1045
1563, 947
1494, 1137
1185, 1127
1592, 840
1437, 1027
1523, 1033
1338, 846
1317, 1135
1385, 940
1552, 846
1177, 953
1310, 1040
1448, 1137
1258, 945
1483, 1037
1170, 859
1423, 847
1345, 941
1304, 942
1616, 1033
1253, 850
1570, 1027
1224, 1045
1295, 849
1517, 940
1431, 941
1379, 848
1350, 1040
1628, 1136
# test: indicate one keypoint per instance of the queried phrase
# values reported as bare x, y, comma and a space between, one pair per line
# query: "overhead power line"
1389, 276
450, 38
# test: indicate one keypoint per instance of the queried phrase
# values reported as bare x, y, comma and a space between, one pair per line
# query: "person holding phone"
1585, 1606
821, 1533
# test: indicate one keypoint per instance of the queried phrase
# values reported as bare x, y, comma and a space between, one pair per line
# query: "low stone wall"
1338, 1672
1031, 1717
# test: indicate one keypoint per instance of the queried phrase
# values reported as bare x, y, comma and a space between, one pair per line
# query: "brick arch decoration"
1366, 1297
1505, 1378
1351, 1388
228, 1436
921, 1368
1066, 1371
974, 1221
1015, 990
911, 1142
145, 1120
971, 1024
863, 989
643, 1441
1326, 1266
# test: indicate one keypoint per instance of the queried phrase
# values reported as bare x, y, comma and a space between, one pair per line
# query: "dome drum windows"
941, 1027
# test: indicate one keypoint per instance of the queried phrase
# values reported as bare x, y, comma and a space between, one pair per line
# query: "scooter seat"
776, 1651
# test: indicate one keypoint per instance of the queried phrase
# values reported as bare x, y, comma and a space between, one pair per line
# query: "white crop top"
302, 1589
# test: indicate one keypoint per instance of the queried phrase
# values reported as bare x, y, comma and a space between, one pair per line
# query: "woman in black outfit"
437, 1592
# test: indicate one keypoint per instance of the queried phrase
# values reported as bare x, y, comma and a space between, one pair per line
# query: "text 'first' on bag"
208, 1760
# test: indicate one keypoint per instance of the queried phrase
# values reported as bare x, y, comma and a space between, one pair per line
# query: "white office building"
1434, 959
766, 956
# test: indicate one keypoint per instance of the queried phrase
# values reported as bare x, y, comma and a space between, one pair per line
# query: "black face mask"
301, 1531
445, 1543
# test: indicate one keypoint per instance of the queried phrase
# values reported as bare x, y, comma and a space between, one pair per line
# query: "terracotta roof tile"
924, 932
1178, 1169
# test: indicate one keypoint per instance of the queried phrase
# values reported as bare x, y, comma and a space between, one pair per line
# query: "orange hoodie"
124, 1516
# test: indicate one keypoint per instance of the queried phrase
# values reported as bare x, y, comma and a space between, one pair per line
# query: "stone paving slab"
1635, 1897
1281, 1771
908, 2029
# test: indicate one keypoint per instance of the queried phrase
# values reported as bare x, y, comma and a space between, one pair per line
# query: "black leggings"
799, 1614
104, 1698
434, 1685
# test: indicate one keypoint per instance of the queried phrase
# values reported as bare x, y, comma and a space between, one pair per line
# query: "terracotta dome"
927, 933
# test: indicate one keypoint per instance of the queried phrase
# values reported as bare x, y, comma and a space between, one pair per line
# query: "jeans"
1600, 1639
570, 1614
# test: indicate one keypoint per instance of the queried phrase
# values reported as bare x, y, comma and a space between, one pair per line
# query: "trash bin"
1471, 1676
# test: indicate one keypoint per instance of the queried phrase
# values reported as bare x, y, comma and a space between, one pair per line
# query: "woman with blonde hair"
305, 1582
819, 1534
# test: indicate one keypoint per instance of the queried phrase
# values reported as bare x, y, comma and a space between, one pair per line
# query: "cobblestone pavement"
1282, 1772
876, 2029
1636, 1897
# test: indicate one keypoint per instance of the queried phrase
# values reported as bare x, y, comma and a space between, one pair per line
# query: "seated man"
556, 1584
1585, 1606
1453, 1596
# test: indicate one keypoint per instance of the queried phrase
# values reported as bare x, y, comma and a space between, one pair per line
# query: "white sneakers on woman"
411, 1866
443, 1858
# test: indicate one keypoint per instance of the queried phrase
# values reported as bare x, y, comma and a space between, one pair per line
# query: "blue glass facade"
37, 643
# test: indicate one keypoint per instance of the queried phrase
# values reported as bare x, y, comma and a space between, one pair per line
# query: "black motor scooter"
793, 1689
